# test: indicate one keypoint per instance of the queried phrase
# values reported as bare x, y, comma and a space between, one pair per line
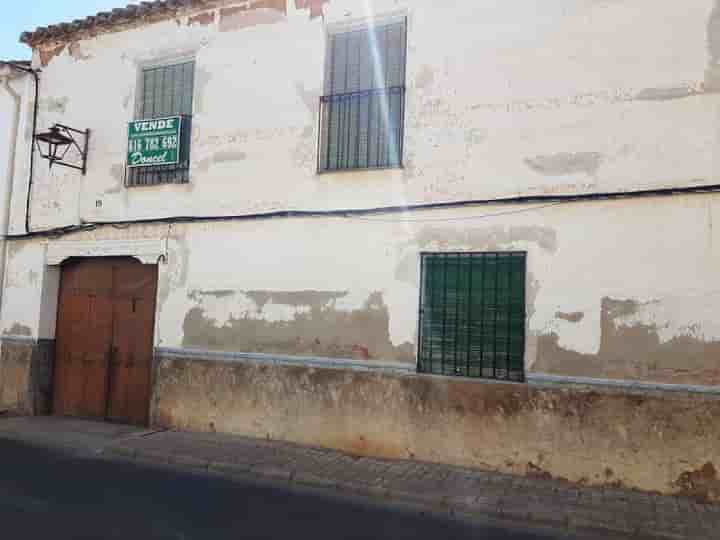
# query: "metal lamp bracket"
59, 139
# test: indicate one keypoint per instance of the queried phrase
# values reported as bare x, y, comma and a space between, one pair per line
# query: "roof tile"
105, 18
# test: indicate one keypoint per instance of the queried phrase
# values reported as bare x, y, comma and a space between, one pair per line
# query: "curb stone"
231, 469
189, 461
121, 451
310, 479
271, 471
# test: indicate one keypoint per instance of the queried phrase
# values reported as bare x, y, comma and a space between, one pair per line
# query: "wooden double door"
104, 348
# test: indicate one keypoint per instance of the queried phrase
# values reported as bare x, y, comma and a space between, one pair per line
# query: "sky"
19, 16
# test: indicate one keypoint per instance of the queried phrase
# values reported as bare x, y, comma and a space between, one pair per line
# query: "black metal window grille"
472, 315
166, 91
362, 112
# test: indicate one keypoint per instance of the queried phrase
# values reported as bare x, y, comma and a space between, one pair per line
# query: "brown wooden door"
84, 335
105, 339
133, 325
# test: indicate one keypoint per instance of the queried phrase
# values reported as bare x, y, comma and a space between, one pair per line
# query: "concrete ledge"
544, 380
539, 380
18, 339
285, 360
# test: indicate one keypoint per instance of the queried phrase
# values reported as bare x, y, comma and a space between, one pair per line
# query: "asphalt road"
48, 494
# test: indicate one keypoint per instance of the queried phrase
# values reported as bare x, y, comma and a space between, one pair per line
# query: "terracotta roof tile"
108, 19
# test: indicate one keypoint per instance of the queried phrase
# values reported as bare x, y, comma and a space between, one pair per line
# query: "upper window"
472, 315
362, 111
166, 91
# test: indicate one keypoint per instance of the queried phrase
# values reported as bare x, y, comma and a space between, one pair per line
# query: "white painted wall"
13, 85
617, 250
504, 98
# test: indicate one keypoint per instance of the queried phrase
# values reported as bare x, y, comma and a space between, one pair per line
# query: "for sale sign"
154, 142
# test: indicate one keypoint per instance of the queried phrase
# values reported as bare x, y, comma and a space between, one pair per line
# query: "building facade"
15, 123
478, 234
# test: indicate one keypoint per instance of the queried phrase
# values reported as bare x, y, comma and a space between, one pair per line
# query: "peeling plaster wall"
513, 98
503, 99
608, 297
22, 296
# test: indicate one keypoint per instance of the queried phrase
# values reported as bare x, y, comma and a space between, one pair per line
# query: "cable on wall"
545, 201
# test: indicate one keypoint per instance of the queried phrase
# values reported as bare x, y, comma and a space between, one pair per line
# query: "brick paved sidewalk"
459, 490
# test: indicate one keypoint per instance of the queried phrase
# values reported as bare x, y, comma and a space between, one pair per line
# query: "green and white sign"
154, 142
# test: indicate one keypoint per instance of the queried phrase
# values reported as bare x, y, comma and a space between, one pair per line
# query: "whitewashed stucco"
13, 91
500, 95
504, 99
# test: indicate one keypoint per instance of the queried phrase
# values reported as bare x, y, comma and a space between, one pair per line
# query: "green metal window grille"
166, 91
363, 109
472, 315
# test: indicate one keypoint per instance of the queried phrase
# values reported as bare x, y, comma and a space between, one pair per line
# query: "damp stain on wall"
202, 19
702, 484
18, 329
487, 238
48, 53
633, 352
54, 105
223, 156
566, 163
215, 293
666, 94
75, 49
551, 433
573, 317
320, 329
315, 6
244, 16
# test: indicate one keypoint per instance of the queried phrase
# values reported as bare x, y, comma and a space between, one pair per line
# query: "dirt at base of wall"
661, 444
25, 376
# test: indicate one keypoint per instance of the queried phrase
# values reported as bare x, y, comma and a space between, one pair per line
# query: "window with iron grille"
166, 91
362, 111
472, 315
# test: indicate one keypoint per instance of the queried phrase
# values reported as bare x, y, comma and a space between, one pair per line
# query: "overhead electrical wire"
538, 202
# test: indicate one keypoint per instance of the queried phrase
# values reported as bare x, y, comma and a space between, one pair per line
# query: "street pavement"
47, 493
118, 480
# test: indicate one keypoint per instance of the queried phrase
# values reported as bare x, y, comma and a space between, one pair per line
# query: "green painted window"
362, 111
472, 315
166, 91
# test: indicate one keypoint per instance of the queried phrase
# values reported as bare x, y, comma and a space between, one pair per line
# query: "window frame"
183, 168
343, 27
421, 369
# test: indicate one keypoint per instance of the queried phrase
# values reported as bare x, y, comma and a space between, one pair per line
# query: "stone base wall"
668, 443
26, 367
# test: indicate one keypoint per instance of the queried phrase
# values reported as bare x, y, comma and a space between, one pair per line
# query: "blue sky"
21, 15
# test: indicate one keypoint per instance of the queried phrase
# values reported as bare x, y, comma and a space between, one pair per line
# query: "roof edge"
149, 11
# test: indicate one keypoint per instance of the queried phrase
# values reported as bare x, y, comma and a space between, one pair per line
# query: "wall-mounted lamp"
54, 144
